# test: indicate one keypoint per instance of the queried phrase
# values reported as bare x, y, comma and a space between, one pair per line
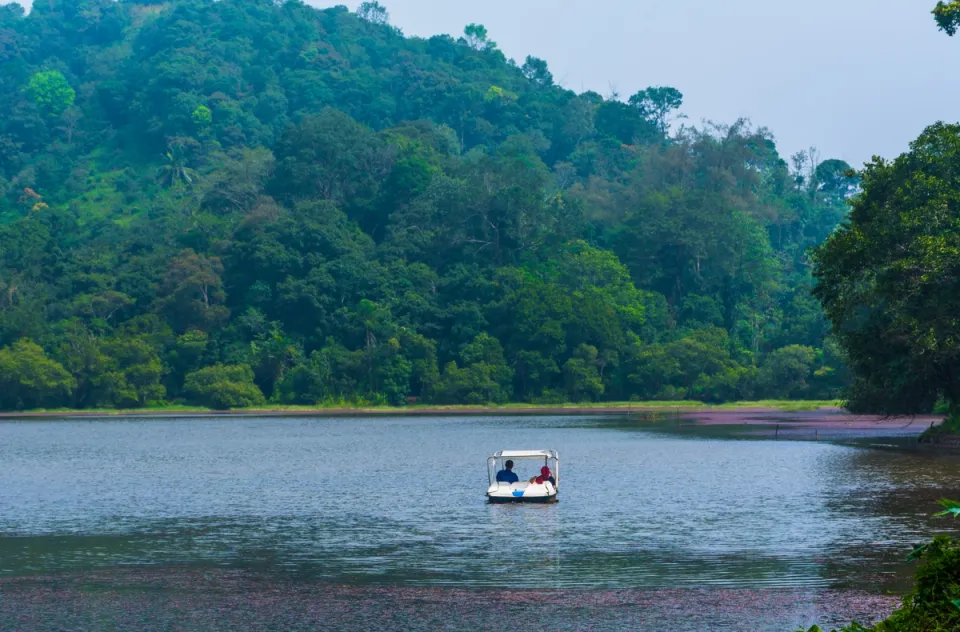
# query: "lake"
381, 523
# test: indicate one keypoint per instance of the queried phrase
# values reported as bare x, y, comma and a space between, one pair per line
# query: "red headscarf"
544, 475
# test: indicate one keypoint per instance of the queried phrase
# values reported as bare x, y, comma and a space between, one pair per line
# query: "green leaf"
950, 507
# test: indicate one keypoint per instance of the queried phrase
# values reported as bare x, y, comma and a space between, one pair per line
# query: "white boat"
524, 491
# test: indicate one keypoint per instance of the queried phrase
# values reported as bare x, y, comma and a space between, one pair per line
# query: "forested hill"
221, 202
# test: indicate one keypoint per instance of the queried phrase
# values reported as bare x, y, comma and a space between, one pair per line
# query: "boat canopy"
526, 454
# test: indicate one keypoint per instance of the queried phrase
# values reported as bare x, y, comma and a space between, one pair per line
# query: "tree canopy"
947, 15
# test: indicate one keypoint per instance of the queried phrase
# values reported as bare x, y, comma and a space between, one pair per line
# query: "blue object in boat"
518, 493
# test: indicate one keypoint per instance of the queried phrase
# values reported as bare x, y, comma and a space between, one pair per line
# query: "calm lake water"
381, 522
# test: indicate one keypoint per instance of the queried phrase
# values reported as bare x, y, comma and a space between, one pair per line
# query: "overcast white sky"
852, 77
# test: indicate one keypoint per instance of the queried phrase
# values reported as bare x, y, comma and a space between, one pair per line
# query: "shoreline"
761, 413
680, 408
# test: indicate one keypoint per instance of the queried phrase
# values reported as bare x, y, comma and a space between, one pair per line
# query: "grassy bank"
946, 434
348, 409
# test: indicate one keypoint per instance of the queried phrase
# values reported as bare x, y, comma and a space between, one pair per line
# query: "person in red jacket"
545, 475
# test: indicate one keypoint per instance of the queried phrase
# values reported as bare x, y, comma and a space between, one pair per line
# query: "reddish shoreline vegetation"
227, 600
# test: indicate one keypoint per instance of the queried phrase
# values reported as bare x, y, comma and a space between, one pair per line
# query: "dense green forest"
227, 203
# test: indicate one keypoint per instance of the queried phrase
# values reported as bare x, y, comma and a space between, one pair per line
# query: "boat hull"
503, 500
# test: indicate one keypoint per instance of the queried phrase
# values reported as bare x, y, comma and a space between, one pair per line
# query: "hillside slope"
222, 202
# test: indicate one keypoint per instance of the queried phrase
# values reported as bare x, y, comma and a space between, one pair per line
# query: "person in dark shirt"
507, 475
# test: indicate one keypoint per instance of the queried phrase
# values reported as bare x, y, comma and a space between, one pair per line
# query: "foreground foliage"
195, 192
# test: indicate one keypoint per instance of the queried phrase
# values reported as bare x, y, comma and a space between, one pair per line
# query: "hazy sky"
852, 77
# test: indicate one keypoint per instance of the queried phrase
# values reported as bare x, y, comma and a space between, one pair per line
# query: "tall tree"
536, 70
890, 279
476, 37
374, 12
657, 105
